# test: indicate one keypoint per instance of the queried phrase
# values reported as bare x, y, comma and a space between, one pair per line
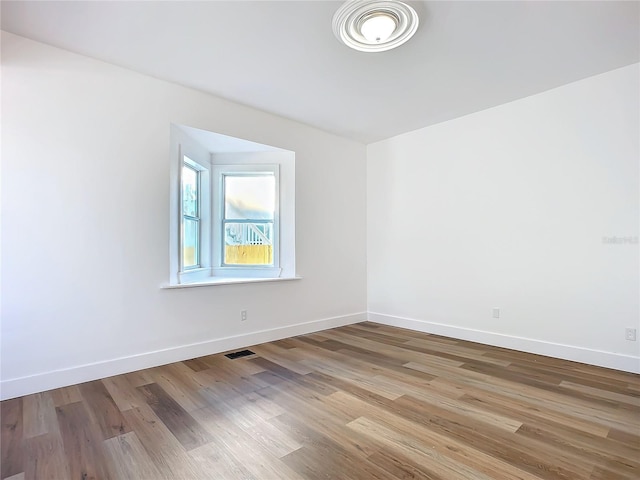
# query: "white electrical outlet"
630, 334
243, 315
496, 312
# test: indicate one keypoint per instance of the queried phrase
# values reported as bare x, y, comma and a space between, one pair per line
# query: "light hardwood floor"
360, 402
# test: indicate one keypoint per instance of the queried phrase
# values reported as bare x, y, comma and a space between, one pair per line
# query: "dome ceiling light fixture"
374, 25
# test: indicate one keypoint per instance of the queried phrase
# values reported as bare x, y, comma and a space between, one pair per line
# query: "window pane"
190, 236
189, 191
248, 243
249, 197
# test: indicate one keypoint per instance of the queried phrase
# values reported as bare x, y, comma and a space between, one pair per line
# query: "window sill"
228, 281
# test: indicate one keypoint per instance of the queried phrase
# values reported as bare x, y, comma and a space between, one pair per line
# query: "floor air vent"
241, 353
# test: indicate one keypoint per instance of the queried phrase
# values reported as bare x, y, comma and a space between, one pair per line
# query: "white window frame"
190, 164
203, 270
249, 271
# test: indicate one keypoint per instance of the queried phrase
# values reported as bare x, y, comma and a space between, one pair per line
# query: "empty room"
311, 240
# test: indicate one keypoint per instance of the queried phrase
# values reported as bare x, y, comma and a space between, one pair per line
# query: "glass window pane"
248, 243
189, 191
190, 248
249, 197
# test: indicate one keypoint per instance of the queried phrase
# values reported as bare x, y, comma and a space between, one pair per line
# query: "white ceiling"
282, 57
218, 143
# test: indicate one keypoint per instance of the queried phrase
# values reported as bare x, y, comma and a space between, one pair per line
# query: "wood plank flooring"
364, 401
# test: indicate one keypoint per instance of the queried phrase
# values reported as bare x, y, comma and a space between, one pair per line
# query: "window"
190, 231
236, 209
248, 218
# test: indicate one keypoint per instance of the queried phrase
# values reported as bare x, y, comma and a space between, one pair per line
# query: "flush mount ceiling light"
374, 25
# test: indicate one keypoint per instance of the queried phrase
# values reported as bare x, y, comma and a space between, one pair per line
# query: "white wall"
85, 224
508, 208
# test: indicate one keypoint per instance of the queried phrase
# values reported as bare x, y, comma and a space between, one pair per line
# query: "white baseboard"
16, 387
616, 361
